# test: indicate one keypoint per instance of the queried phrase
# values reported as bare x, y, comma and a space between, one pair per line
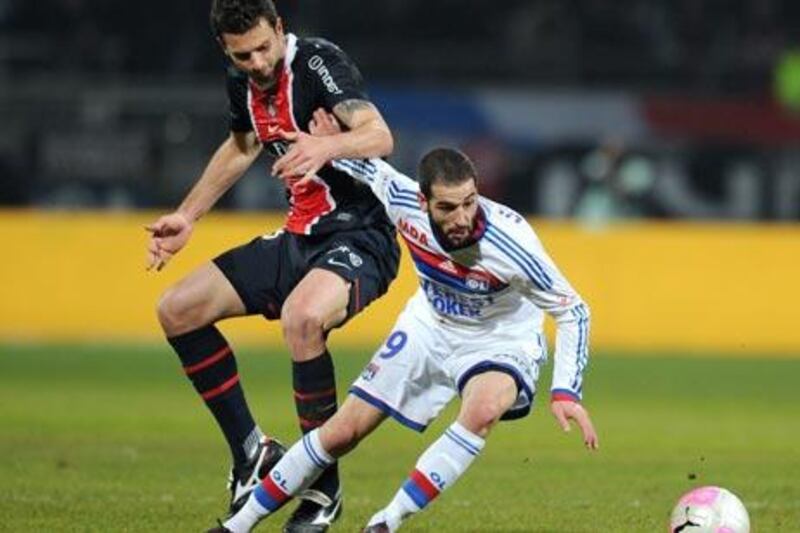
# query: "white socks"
296, 470
438, 468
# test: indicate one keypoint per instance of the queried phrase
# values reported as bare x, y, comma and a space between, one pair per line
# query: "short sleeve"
237, 101
335, 75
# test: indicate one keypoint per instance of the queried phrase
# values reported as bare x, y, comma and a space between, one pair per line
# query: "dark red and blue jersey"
315, 74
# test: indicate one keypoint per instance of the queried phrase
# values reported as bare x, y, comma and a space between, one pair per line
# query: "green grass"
114, 439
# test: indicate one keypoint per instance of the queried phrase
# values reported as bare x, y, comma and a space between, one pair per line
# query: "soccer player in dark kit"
335, 254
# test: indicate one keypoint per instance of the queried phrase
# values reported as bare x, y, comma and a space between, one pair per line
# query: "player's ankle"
392, 518
382, 517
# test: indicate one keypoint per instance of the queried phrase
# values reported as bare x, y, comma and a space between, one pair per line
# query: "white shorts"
423, 364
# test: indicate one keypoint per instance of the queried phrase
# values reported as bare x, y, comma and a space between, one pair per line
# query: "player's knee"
166, 311
175, 314
301, 323
480, 418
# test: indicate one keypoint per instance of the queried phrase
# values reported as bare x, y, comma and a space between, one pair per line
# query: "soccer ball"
709, 510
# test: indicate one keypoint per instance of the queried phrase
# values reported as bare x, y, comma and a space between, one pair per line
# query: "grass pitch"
109, 438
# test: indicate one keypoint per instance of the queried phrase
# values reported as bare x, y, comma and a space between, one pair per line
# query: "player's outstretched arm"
570, 410
571, 357
170, 233
538, 279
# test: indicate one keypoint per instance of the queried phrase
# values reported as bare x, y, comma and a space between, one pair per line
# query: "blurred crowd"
71, 71
699, 44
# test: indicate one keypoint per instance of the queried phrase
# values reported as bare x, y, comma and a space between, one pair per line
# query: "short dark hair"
445, 165
240, 16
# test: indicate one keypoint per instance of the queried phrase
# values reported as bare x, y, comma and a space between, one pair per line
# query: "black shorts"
266, 270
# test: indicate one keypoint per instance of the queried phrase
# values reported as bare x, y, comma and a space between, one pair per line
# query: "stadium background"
653, 144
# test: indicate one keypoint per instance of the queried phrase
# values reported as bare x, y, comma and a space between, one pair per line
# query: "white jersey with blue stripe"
504, 280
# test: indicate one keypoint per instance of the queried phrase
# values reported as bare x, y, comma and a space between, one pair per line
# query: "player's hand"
306, 156
168, 235
324, 124
564, 411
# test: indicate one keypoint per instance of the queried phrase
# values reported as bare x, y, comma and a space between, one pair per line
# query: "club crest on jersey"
477, 282
413, 233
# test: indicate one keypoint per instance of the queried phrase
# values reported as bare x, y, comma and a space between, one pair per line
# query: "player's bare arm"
365, 134
170, 233
226, 166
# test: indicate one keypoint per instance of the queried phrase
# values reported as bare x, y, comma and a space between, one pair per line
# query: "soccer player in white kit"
473, 328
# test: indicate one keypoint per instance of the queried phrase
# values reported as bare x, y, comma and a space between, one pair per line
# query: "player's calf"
350, 425
436, 470
486, 397
187, 312
340, 435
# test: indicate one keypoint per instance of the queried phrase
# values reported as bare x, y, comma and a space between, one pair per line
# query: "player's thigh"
263, 272
202, 297
405, 378
519, 361
353, 421
321, 297
367, 260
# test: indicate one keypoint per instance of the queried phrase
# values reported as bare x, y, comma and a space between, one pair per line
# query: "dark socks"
209, 363
315, 400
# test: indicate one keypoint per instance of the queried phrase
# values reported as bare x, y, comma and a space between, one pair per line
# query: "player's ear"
423, 202
221, 43
279, 27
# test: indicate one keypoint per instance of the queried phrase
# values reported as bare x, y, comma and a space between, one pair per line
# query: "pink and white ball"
709, 510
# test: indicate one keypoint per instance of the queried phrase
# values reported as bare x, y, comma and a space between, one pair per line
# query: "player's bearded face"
257, 51
454, 210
